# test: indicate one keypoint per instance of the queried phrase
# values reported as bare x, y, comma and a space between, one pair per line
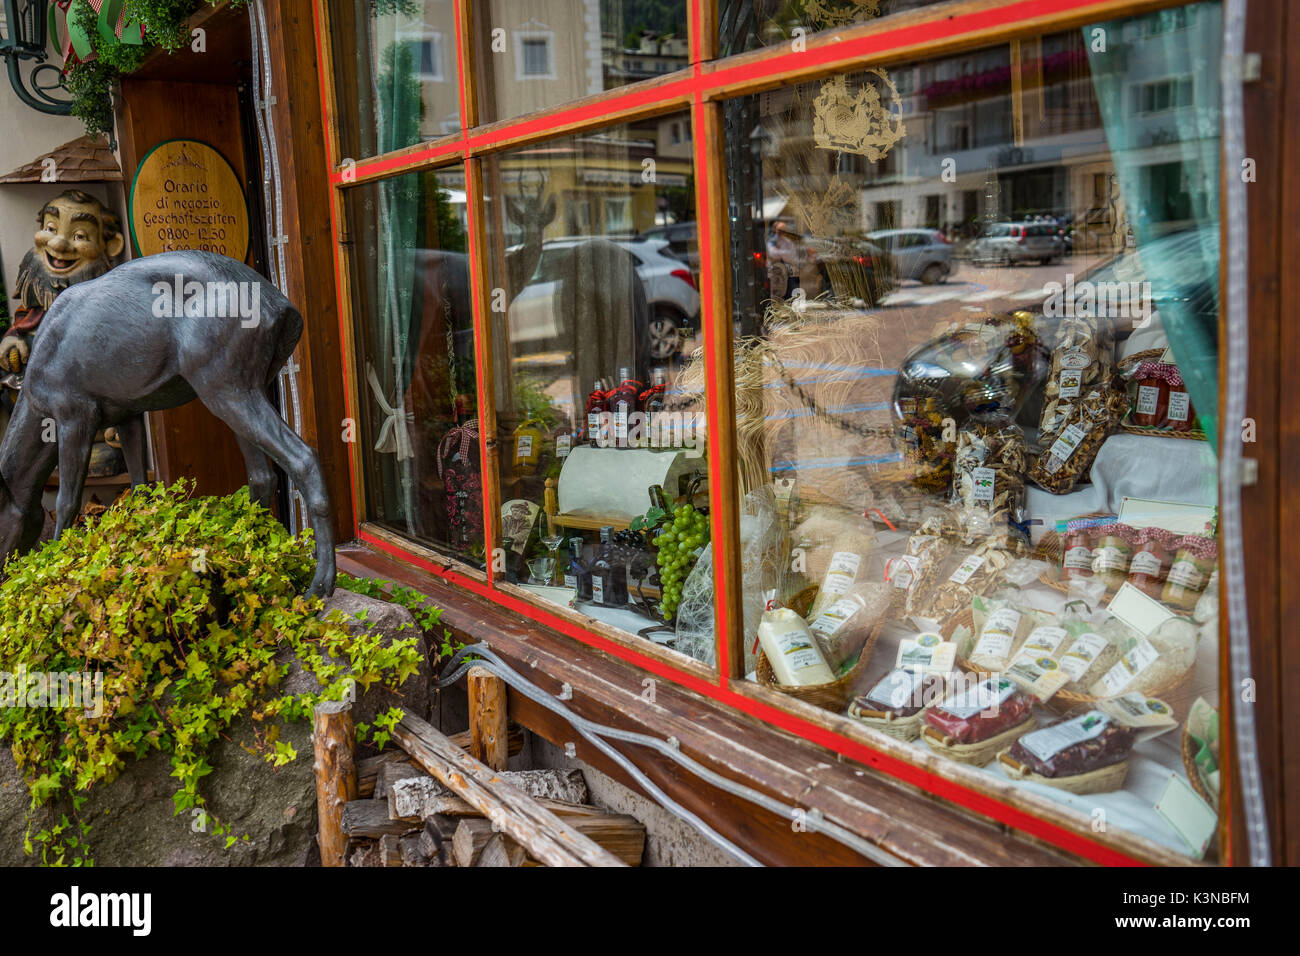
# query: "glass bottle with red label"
623, 402
596, 407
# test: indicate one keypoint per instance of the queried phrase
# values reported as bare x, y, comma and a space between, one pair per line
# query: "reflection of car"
674, 301
681, 239
924, 254
852, 268
1010, 242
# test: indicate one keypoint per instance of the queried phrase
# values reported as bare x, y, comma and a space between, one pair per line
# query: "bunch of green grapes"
679, 546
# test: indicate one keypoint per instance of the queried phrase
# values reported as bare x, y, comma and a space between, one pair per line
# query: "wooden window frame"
939, 29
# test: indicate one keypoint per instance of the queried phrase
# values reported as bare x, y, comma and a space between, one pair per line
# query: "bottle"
658, 499
653, 405
608, 575
578, 575
622, 403
596, 407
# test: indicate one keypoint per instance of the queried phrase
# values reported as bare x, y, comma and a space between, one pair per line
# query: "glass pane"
977, 298
534, 54
600, 409
416, 362
395, 73
749, 24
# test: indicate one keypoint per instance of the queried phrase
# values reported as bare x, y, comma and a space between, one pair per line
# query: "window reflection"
600, 414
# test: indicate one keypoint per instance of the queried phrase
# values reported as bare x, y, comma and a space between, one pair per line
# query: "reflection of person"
782, 260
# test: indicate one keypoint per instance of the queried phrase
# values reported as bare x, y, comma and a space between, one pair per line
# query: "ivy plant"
190, 611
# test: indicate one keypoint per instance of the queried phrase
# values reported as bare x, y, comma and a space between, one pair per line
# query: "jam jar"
1190, 571
1076, 562
1110, 559
1152, 394
1150, 562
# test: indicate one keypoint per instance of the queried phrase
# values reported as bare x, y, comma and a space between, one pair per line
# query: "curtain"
1157, 83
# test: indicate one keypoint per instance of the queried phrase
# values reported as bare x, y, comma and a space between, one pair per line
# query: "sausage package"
970, 716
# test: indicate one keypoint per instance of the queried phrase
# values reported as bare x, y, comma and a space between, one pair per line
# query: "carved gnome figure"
76, 239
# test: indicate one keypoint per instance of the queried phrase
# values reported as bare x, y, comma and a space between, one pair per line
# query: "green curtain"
1157, 83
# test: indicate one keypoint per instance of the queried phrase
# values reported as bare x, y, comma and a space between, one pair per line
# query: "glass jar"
1076, 562
1150, 561
1110, 559
1179, 414
1190, 572
1152, 395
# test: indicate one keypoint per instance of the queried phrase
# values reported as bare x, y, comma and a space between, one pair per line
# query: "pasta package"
1154, 661
1004, 629
989, 471
837, 547
977, 573
843, 627
1073, 436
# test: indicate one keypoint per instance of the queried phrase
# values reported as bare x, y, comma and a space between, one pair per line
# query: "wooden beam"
547, 838
368, 768
334, 741
488, 724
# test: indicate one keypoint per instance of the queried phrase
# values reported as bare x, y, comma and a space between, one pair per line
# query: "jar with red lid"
1190, 571
1110, 558
1152, 394
1076, 562
1179, 413
1150, 561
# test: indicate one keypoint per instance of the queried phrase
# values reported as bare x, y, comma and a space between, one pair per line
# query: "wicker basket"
833, 695
901, 728
1194, 775
978, 754
1133, 361
1102, 780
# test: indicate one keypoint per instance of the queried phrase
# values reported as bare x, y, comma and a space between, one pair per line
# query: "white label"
1130, 667
1148, 399
998, 634
833, 618
1083, 651
897, 689
1186, 573
1044, 639
620, 425
1138, 710
968, 567
1050, 741
1109, 558
597, 589
986, 695
1145, 562
982, 480
571, 581
1180, 407
562, 443
1070, 439
843, 571
1074, 358
1078, 557
799, 652
1071, 382
903, 570
523, 446
928, 653
1039, 674
593, 423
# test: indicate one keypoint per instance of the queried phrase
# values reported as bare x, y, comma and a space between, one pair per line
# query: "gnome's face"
70, 240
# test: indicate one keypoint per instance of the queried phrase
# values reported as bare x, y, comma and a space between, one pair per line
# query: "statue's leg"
254, 420
25, 464
76, 438
261, 476
134, 450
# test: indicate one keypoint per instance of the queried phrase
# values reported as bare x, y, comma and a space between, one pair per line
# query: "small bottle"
658, 499
596, 407
578, 576
608, 575
622, 403
653, 404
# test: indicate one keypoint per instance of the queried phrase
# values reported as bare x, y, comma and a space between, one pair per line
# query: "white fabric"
1132, 466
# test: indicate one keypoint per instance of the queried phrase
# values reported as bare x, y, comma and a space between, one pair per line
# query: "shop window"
413, 323
990, 455
389, 73
750, 24
599, 406
578, 47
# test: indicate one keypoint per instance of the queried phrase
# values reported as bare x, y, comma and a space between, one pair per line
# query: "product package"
1084, 754
989, 473
895, 704
972, 725
1000, 635
791, 650
1152, 663
842, 627
1072, 437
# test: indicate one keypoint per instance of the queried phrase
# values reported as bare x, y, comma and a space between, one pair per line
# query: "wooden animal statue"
153, 334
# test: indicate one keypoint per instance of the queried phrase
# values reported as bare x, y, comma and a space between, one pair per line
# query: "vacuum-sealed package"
1003, 631
974, 724
843, 627
1085, 754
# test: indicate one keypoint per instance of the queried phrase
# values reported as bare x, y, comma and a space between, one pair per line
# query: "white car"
669, 289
